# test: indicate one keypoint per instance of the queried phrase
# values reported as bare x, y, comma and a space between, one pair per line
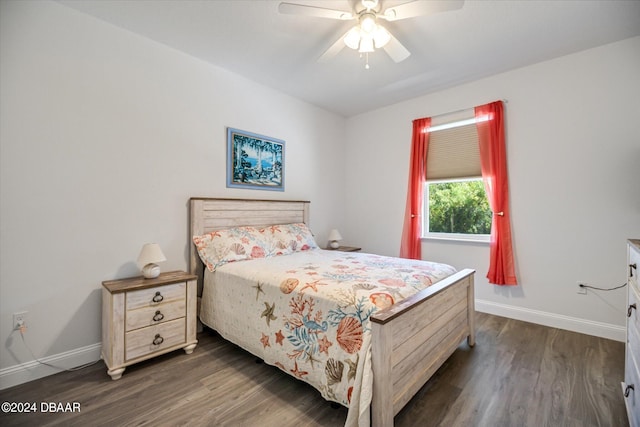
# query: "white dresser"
631, 384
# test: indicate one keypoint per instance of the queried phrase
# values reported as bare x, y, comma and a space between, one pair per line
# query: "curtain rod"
462, 110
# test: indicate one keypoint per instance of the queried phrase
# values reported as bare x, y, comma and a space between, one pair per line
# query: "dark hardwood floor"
518, 374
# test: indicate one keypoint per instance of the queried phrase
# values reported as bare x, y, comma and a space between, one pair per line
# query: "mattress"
308, 314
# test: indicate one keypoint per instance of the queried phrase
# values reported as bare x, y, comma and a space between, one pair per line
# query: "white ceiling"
250, 38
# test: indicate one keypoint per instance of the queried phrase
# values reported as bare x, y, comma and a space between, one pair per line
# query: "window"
457, 209
455, 203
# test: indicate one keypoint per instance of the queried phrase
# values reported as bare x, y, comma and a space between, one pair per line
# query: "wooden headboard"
206, 215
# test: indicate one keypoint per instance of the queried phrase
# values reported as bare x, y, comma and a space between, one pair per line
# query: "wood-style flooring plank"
518, 374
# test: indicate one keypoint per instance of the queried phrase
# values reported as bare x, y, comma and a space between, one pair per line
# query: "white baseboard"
589, 327
29, 371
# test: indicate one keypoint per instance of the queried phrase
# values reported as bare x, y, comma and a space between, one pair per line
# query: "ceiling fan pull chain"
366, 65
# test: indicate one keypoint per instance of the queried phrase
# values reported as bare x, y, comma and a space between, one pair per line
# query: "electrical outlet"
581, 288
19, 319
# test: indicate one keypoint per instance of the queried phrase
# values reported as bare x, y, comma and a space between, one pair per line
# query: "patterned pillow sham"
234, 244
288, 238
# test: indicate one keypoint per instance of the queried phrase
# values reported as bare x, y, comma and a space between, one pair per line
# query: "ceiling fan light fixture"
370, 4
367, 35
368, 23
381, 37
352, 39
366, 45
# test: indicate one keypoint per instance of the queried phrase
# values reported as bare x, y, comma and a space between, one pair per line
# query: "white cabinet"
631, 384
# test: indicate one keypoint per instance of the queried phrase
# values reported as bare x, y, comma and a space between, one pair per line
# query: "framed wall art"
254, 161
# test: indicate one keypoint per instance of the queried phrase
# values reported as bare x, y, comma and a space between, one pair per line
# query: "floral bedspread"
308, 313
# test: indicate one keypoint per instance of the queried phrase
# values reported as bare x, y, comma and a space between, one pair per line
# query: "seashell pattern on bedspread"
308, 313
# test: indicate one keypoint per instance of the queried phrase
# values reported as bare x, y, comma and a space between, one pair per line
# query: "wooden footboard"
414, 337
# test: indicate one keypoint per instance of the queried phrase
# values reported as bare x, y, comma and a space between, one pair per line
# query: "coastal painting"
254, 161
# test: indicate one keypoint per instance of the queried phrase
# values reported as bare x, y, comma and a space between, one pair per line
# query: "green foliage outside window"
459, 207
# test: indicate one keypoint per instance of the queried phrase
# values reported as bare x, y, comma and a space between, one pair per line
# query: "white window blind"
454, 153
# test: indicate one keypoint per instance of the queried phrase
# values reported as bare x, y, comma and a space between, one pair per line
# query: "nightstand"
345, 249
143, 318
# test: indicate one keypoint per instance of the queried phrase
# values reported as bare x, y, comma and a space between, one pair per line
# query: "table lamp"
334, 238
149, 256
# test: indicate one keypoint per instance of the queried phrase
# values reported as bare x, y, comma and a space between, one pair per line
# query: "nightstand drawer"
153, 296
154, 338
147, 316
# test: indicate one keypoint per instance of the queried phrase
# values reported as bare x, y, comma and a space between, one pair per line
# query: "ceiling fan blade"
333, 50
318, 12
396, 50
420, 8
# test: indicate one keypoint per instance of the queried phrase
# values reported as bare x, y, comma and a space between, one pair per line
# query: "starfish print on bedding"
268, 312
258, 287
298, 373
312, 285
279, 337
324, 344
265, 341
311, 358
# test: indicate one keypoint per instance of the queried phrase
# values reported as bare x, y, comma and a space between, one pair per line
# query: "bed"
386, 345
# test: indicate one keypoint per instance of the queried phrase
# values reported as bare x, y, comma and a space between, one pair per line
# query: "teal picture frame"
254, 161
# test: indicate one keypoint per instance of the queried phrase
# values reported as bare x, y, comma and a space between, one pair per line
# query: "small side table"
143, 318
345, 249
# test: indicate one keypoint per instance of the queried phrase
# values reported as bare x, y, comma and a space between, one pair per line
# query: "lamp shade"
334, 235
150, 253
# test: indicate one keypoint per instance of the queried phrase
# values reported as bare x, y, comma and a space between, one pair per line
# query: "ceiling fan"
368, 34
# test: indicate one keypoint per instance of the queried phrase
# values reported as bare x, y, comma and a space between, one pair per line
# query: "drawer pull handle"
158, 340
157, 297
158, 316
628, 389
630, 310
632, 267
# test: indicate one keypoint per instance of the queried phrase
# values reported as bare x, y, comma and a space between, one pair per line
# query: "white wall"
104, 137
574, 169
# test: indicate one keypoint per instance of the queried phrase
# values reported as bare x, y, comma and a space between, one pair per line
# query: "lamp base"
334, 244
151, 271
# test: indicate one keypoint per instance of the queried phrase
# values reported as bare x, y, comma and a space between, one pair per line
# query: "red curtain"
410, 246
493, 161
